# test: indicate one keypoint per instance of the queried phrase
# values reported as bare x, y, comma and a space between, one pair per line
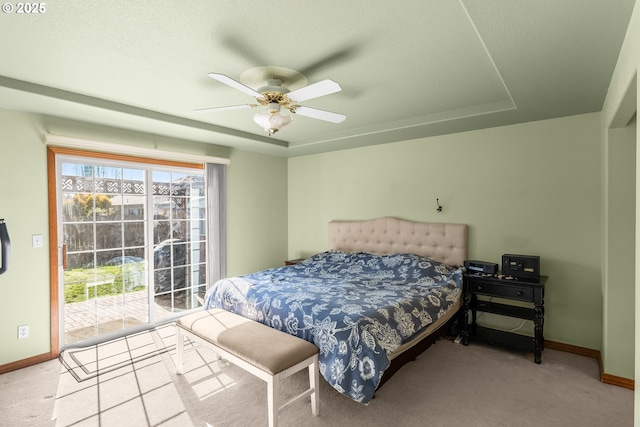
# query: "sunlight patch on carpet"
204, 372
88, 362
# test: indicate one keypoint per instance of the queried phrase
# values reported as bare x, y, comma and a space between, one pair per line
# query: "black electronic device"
522, 266
5, 247
474, 266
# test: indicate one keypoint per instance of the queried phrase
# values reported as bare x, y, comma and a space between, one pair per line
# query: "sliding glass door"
179, 240
132, 245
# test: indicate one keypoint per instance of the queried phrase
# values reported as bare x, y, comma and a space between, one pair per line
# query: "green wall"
23, 204
257, 216
619, 252
532, 188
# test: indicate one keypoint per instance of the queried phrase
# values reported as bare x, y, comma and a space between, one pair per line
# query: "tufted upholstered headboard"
446, 243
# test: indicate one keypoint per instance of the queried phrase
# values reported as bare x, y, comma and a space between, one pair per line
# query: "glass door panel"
103, 224
179, 230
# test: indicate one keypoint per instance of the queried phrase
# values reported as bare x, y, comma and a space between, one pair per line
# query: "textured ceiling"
408, 69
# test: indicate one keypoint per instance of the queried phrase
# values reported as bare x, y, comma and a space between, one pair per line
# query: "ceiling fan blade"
228, 107
235, 84
336, 58
314, 113
233, 42
325, 87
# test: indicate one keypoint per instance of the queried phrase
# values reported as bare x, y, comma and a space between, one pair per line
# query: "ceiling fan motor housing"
273, 86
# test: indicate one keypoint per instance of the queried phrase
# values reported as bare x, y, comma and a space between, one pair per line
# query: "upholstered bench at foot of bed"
268, 354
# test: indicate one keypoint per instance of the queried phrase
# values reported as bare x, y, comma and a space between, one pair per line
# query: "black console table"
509, 288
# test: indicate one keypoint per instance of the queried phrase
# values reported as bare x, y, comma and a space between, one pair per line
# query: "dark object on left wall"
5, 247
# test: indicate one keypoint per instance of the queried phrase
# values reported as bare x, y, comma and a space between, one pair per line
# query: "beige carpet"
448, 385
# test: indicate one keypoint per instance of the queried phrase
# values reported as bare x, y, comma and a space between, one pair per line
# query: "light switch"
37, 240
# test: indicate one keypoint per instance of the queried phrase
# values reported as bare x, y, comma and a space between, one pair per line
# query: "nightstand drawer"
521, 293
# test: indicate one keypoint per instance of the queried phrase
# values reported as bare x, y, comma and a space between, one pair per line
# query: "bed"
381, 294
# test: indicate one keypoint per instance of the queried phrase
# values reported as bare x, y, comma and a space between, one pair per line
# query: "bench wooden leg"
179, 350
273, 400
314, 381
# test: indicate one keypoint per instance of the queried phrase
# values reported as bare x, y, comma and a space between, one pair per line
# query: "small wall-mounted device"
523, 266
474, 266
5, 247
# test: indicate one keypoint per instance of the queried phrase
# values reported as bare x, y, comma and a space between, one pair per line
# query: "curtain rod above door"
109, 147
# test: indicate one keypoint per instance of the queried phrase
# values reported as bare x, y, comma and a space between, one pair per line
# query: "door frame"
55, 257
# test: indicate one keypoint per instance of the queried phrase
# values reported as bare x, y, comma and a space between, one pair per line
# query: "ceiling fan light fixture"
273, 107
277, 94
272, 122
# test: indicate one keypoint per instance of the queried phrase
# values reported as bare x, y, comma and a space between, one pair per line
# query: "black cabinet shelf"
505, 338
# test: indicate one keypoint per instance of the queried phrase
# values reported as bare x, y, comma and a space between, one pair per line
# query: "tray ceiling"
407, 69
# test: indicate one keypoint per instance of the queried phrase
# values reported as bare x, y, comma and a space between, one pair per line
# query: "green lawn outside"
117, 280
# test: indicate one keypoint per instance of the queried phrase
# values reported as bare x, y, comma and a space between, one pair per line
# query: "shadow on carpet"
85, 363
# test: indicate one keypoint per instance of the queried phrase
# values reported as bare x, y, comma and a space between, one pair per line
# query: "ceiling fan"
273, 92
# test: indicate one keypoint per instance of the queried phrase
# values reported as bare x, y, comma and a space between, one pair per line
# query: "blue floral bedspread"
355, 307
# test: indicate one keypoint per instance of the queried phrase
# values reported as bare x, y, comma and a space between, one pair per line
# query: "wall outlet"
23, 331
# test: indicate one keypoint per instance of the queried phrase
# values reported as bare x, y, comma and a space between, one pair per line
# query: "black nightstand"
529, 291
293, 261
